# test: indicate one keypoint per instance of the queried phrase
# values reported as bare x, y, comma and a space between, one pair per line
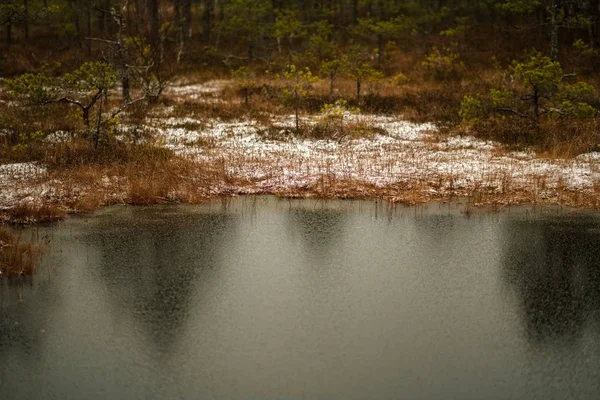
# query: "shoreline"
371, 157
52, 211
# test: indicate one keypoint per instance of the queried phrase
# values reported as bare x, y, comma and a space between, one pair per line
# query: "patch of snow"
19, 171
396, 153
589, 157
15, 181
59, 137
405, 153
196, 91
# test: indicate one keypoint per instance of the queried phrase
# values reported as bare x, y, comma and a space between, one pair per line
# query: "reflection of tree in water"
553, 268
21, 313
22, 324
152, 267
318, 230
15, 333
437, 227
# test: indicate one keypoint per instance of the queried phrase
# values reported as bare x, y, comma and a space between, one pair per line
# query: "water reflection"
152, 266
553, 267
274, 299
16, 336
318, 229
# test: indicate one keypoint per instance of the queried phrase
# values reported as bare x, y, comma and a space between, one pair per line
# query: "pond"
265, 298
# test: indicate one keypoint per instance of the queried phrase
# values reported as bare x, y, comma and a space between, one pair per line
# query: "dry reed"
17, 258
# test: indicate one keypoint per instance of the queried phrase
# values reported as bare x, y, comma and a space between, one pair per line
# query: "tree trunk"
541, 19
89, 29
331, 78
354, 11
98, 123
593, 14
554, 51
187, 18
75, 15
296, 107
154, 21
275, 5
207, 20
8, 34
1, 54
591, 36
536, 103
379, 49
598, 23
26, 19
101, 20
123, 69
85, 113
125, 85
179, 23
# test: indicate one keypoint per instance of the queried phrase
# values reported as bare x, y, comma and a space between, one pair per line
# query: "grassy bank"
185, 157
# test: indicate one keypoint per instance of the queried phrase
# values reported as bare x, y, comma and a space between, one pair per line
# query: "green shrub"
471, 109
443, 64
502, 97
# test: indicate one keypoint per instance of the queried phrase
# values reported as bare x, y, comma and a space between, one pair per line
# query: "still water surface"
261, 298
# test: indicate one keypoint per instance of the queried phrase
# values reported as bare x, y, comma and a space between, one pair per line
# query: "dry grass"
140, 182
177, 180
17, 257
27, 212
550, 138
82, 178
330, 187
418, 100
77, 153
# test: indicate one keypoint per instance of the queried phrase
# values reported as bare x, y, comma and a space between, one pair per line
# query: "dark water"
272, 299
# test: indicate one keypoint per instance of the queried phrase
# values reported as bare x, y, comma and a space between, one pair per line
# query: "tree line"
258, 28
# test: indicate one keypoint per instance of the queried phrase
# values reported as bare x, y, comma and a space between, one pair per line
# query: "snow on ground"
196, 91
396, 154
15, 181
408, 154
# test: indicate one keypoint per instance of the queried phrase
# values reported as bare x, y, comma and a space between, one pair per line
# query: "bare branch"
125, 105
108, 12
65, 100
112, 42
512, 110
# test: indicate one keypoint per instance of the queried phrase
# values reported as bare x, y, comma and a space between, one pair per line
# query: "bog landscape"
106, 102
303, 198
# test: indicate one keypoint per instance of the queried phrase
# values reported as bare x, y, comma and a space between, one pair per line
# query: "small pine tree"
83, 88
297, 85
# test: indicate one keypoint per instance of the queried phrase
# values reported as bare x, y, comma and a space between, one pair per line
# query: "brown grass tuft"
17, 258
78, 153
27, 212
